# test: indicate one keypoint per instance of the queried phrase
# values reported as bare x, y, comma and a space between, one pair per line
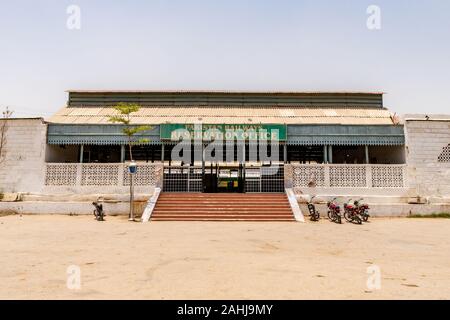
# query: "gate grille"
182, 179
264, 179
189, 179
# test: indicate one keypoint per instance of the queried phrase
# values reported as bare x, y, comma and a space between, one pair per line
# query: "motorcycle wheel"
347, 216
357, 219
330, 215
365, 217
334, 217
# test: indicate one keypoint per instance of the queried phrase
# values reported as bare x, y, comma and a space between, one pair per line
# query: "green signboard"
208, 132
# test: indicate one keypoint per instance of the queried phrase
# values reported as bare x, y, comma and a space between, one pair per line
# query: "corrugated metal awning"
296, 135
371, 135
96, 135
290, 115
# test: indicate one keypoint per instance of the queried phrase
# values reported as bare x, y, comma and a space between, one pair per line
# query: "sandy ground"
204, 260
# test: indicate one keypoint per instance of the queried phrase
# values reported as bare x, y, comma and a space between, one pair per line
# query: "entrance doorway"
223, 178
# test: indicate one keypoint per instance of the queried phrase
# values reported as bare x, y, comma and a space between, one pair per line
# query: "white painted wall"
425, 141
22, 169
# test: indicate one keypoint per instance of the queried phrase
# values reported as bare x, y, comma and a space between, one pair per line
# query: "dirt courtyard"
118, 259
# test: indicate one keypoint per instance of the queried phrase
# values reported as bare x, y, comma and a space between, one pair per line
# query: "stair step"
222, 218
237, 213
222, 207
222, 199
179, 197
221, 204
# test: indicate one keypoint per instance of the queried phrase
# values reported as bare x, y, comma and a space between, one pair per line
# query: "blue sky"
232, 45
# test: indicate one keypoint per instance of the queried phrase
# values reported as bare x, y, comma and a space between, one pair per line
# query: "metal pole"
203, 167
285, 153
366, 148
131, 216
243, 167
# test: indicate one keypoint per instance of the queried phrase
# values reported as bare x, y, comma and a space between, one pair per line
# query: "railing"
300, 176
101, 174
346, 176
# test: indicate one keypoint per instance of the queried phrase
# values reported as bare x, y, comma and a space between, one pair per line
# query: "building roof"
426, 117
230, 115
270, 92
223, 98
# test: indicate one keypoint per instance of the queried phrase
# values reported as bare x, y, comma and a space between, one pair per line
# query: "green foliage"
125, 110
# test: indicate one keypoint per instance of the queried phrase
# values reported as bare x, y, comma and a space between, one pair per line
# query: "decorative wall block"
348, 176
100, 174
61, 175
445, 155
388, 176
146, 175
309, 176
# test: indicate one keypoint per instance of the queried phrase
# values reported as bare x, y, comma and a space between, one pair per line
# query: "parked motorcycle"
334, 211
98, 211
314, 215
363, 209
351, 213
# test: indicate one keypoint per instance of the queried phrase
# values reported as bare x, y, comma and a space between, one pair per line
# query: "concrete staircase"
222, 207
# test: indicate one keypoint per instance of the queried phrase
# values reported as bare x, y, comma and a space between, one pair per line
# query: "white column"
330, 154
327, 176
81, 153
79, 174
368, 176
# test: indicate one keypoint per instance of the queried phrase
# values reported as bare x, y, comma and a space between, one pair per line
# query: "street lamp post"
132, 169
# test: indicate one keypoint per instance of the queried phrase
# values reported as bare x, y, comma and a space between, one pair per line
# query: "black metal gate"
264, 179
191, 179
182, 179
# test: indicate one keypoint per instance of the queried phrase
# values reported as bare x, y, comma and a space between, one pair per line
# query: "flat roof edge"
288, 92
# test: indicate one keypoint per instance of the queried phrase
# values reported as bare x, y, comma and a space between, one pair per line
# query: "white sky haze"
225, 45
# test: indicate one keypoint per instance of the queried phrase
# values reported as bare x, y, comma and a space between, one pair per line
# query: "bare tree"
3, 130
